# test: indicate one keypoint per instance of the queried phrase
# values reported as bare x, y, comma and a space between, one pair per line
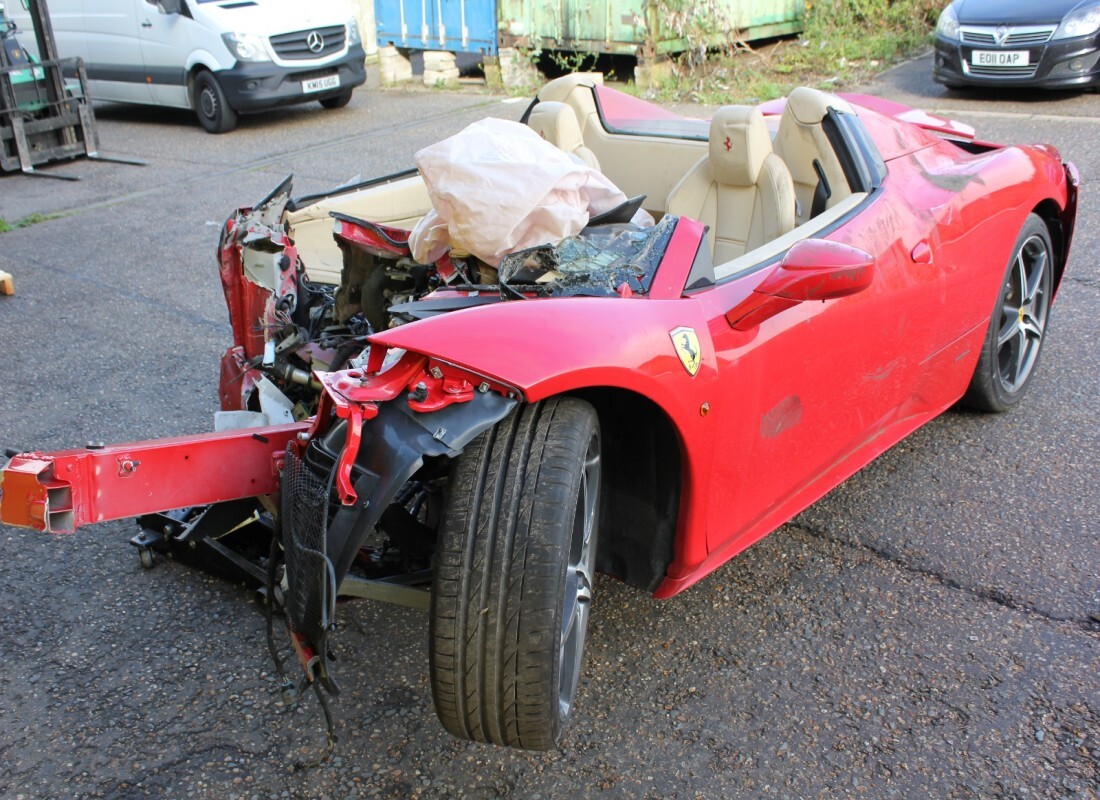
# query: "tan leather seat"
741, 189
801, 141
557, 124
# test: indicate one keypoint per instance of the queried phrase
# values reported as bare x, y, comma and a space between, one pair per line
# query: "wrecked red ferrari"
416, 415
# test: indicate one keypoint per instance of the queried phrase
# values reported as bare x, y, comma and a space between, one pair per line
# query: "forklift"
43, 117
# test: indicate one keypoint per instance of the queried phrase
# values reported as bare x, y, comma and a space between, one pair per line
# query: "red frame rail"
59, 492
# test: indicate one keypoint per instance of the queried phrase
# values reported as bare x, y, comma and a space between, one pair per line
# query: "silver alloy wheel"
579, 578
1023, 314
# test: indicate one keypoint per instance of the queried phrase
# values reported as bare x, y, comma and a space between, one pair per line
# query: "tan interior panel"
785, 242
801, 140
741, 190
400, 204
648, 165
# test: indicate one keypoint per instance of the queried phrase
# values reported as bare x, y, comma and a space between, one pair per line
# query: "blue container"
461, 26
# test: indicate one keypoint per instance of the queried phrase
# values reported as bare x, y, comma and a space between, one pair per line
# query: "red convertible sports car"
644, 399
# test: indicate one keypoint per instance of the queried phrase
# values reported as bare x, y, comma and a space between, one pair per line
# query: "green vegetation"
27, 221
844, 42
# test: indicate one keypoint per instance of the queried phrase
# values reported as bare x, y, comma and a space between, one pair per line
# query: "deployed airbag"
498, 186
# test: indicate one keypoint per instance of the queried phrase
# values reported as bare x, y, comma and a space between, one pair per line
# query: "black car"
1050, 44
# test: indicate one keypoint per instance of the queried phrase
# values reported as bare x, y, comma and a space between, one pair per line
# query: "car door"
809, 393
166, 43
116, 70
66, 19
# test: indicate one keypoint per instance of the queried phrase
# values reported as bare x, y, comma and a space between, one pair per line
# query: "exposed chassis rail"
215, 484
59, 492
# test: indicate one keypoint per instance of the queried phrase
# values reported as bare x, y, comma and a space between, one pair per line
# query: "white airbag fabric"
497, 187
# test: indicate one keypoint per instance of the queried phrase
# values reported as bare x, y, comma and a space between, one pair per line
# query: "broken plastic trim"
269, 211
309, 199
393, 447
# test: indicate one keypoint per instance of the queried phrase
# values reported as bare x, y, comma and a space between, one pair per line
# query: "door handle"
147, 24
921, 254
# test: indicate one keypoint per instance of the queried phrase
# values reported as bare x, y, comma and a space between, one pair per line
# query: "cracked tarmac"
997, 596
929, 629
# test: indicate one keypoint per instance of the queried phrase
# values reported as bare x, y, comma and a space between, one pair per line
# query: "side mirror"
814, 269
170, 6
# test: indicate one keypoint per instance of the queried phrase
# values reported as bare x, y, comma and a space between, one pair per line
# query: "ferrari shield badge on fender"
687, 348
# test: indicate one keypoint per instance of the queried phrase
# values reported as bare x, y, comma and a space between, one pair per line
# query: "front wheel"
514, 570
211, 106
1013, 343
339, 101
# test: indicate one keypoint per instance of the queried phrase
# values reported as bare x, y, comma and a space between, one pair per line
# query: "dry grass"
844, 42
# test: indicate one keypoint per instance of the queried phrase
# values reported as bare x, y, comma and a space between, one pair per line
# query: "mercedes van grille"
314, 43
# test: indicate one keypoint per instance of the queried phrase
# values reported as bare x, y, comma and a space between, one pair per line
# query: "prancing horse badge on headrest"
687, 348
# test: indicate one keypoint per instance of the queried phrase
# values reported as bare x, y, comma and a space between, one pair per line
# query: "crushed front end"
373, 464
327, 472
360, 490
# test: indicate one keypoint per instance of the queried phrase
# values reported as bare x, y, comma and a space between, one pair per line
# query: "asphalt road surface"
929, 629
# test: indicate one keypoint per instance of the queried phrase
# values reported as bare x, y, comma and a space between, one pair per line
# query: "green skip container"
644, 28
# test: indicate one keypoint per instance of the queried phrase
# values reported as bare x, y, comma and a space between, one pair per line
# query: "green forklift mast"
43, 118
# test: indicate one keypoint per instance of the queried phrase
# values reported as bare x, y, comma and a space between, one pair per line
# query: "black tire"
1018, 324
339, 101
514, 559
211, 105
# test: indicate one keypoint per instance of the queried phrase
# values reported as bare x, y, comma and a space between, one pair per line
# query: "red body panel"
888, 110
803, 400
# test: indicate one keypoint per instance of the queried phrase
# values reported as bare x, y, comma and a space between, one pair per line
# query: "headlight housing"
948, 24
354, 37
246, 46
1082, 21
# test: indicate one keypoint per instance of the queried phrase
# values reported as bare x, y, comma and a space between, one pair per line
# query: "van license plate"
320, 84
1000, 58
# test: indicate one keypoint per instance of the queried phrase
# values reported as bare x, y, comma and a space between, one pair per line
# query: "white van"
218, 57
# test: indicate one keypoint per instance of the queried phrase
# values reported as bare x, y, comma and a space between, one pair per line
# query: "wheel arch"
192, 73
1051, 215
193, 69
641, 485
619, 353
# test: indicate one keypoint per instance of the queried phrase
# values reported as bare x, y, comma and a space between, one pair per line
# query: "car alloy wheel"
1018, 324
579, 578
1024, 309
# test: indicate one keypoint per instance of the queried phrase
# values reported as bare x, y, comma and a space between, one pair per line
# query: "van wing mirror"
814, 269
170, 6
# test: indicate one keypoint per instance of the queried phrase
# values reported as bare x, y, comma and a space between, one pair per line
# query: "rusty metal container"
641, 27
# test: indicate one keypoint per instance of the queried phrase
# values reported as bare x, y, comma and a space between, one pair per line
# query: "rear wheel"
211, 106
514, 572
339, 101
1016, 330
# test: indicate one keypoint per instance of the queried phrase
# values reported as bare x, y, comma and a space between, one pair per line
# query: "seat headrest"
809, 106
739, 143
556, 123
